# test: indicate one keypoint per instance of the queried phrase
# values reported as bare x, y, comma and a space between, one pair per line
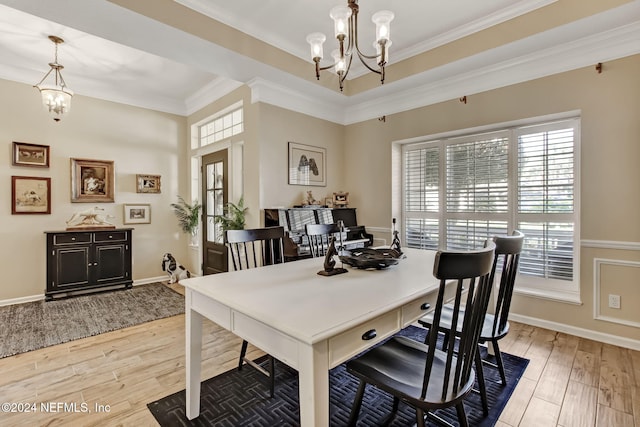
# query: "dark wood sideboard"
87, 261
294, 220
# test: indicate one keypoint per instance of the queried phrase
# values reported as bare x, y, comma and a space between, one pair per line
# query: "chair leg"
243, 353
420, 417
498, 355
481, 384
462, 415
445, 341
357, 404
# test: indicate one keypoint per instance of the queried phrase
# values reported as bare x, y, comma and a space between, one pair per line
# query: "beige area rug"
33, 325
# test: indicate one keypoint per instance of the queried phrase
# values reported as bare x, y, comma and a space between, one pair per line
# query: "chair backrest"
508, 249
319, 237
255, 247
471, 270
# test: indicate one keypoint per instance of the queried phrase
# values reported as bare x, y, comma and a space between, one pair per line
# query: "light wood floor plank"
540, 413
579, 406
609, 417
616, 378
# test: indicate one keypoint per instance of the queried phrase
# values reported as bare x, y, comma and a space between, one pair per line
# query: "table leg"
314, 386
193, 357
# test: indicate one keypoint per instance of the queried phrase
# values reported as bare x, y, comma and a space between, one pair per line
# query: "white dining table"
310, 322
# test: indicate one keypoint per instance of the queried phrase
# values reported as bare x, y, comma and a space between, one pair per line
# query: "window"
460, 190
226, 124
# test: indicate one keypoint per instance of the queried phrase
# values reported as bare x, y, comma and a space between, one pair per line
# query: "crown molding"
216, 89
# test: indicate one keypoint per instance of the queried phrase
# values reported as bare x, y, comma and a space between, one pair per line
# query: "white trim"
611, 244
21, 300
597, 263
216, 89
576, 331
548, 294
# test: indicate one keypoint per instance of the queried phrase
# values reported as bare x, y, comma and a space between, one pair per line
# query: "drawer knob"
425, 306
369, 335
111, 237
73, 239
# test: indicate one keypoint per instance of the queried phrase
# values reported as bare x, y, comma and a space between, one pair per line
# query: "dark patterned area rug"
242, 399
39, 324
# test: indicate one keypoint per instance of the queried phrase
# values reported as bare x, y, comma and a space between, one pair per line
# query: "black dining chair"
495, 325
250, 249
319, 236
420, 374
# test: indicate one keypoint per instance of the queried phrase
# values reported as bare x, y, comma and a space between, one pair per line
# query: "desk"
310, 322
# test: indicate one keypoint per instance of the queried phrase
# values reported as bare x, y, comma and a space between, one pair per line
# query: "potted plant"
188, 216
234, 216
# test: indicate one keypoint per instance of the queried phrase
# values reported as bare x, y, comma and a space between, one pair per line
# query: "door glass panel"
215, 200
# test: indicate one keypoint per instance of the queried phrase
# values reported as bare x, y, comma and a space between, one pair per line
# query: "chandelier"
345, 20
56, 97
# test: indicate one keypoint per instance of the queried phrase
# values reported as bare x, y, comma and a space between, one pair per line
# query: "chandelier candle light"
56, 98
345, 20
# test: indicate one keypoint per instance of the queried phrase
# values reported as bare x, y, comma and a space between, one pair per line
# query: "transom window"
225, 125
459, 191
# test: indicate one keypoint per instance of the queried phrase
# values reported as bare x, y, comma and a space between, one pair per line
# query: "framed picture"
137, 214
340, 199
30, 195
32, 155
147, 183
307, 165
92, 181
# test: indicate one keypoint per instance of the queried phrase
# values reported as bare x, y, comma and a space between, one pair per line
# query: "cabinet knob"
425, 306
73, 238
111, 237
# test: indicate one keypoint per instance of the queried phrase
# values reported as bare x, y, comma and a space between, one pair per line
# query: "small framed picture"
340, 199
92, 181
30, 195
137, 214
147, 183
32, 155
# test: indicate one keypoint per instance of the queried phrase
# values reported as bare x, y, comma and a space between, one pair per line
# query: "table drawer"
415, 309
418, 308
353, 341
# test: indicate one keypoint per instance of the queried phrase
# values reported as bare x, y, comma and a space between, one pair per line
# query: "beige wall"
278, 127
610, 176
137, 140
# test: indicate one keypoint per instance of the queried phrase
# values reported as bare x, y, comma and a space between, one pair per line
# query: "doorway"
215, 173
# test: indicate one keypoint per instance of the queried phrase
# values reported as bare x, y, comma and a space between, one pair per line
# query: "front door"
214, 187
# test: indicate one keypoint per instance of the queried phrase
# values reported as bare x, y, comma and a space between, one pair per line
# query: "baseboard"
21, 300
576, 331
31, 298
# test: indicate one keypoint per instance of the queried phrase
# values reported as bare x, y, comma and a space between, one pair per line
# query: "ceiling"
113, 53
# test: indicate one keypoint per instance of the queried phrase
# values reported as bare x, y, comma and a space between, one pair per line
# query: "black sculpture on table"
395, 243
329, 262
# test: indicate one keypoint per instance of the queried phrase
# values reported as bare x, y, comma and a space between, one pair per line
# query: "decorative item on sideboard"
341, 199
92, 218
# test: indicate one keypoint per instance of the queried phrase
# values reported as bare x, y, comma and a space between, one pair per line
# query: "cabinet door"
109, 263
72, 266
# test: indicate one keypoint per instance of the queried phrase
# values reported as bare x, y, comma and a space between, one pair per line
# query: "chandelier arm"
44, 78
361, 56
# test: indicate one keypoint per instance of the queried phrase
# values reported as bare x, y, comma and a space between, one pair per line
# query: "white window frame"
558, 290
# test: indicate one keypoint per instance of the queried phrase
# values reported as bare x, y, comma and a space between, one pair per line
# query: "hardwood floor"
570, 381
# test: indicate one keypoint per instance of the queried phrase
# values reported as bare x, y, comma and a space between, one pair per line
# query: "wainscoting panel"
616, 277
